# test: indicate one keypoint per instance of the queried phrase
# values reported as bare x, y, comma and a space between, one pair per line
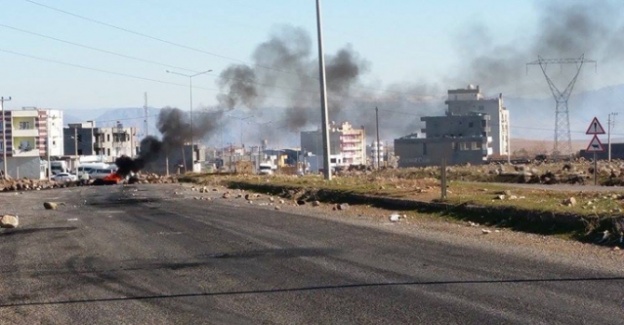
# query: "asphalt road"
149, 255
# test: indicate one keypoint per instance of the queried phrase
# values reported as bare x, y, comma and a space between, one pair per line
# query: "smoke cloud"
285, 70
564, 29
175, 128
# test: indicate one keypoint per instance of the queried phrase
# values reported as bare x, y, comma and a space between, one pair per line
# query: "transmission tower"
563, 142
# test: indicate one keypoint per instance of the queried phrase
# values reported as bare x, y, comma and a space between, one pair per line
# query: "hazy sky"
403, 42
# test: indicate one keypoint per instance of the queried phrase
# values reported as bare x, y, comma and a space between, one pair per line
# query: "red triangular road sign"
595, 145
595, 127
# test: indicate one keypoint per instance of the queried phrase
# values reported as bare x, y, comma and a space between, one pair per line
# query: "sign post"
595, 145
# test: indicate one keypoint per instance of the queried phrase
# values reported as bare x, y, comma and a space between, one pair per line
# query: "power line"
149, 36
94, 48
97, 69
92, 20
114, 72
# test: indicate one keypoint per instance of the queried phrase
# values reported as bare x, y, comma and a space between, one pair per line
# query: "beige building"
116, 141
345, 141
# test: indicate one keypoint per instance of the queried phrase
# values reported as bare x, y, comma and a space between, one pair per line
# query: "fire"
113, 178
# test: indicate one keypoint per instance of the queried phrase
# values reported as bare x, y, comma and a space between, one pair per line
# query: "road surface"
153, 254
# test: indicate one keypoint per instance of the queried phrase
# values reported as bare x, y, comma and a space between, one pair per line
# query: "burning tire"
104, 182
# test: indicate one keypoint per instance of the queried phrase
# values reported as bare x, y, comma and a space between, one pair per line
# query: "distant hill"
108, 117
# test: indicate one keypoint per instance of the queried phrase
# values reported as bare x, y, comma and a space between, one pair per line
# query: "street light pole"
190, 76
4, 146
323, 85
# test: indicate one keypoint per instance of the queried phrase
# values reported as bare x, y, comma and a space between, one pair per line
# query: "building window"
53, 143
108, 139
108, 152
471, 124
79, 137
481, 107
24, 125
424, 149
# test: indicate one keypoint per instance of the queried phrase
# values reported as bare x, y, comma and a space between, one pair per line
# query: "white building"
376, 154
470, 100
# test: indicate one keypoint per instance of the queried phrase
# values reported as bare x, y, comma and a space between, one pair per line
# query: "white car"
64, 177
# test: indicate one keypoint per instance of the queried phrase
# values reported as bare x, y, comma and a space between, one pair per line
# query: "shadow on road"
309, 288
23, 231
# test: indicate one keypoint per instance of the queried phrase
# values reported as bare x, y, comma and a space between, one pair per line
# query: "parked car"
64, 177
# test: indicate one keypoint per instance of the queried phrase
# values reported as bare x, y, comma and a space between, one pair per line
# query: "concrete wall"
25, 167
430, 152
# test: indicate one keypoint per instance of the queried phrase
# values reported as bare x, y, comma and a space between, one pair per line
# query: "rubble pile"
20, 185
151, 178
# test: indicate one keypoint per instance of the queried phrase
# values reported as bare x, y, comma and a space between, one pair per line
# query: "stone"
500, 197
300, 202
277, 207
486, 231
316, 203
342, 206
50, 205
226, 195
571, 201
394, 217
247, 197
9, 221
281, 201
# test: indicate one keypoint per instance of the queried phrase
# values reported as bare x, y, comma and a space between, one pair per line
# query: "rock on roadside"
9, 221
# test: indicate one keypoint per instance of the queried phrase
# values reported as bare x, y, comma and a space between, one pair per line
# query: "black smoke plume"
175, 128
149, 150
285, 70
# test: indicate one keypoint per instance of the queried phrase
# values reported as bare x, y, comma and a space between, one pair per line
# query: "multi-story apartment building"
376, 154
85, 139
344, 141
31, 133
116, 141
471, 100
457, 139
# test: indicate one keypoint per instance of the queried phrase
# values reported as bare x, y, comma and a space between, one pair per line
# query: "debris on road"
50, 205
9, 221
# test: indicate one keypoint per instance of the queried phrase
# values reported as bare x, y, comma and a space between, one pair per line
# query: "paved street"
152, 254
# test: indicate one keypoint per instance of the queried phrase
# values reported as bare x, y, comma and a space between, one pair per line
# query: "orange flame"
113, 177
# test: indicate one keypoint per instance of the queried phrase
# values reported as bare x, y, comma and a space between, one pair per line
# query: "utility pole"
48, 136
323, 85
145, 125
377, 122
610, 125
4, 146
76, 140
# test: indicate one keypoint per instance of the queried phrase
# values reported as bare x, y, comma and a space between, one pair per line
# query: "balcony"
32, 132
26, 152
